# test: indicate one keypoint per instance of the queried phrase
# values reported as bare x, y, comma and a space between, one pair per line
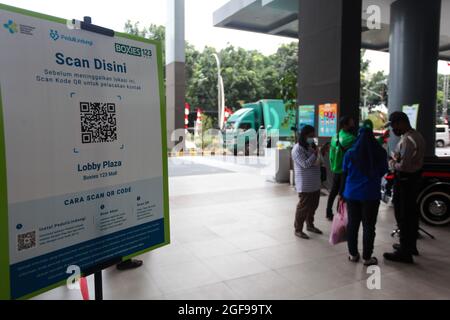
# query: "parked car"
442, 136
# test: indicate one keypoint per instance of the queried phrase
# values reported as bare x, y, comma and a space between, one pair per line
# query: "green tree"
248, 75
372, 85
241, 72
376, 89
152, 32
285, 62
201, 79
440, 94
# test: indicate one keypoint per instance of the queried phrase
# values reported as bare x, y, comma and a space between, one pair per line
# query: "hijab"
367, 154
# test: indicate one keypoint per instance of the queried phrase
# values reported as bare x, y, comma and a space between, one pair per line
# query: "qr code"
26, 241
98, 122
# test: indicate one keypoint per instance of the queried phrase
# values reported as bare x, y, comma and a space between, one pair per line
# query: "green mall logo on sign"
132, 51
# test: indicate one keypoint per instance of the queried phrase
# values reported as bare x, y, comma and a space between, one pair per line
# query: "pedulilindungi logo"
14, 28
54, 34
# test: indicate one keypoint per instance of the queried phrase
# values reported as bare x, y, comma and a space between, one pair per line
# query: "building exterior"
331, 34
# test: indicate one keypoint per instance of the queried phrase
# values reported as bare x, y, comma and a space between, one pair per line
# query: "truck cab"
243, 128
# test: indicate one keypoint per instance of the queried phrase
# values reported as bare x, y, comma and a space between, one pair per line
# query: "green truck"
244, 127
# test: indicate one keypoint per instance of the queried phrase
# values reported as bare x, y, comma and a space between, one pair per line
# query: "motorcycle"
434, 196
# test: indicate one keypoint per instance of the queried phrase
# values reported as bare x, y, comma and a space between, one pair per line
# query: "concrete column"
329, 54
414, 54
175, 66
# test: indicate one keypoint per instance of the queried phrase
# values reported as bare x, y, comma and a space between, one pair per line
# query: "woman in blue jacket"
364, 166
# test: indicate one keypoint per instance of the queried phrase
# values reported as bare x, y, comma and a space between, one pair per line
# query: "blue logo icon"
11, 26
54, 34
19, 226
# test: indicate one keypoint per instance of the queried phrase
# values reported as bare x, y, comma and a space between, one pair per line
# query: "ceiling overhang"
280, 18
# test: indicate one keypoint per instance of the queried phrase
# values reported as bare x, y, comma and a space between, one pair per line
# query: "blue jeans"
365, 212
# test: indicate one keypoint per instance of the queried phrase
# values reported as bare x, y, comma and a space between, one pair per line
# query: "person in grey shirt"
305, 155
407, 162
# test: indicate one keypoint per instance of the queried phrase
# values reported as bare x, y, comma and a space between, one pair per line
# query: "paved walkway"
232, 238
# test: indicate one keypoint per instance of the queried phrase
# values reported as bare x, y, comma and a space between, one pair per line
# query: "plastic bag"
339, 226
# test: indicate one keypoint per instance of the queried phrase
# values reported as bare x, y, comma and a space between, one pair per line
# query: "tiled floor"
232, 238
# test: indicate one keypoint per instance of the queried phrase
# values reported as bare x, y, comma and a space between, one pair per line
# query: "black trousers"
367, 213
336, 186
406, 191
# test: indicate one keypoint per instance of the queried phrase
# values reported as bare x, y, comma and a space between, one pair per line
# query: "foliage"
286, 65
440, 95
205, 140
250, 76
378, 119
376, 92
372, 85
153, 32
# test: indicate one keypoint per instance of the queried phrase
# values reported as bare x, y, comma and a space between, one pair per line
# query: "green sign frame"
5, 287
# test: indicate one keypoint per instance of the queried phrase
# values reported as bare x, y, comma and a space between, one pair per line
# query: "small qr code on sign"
98, 122
26, 241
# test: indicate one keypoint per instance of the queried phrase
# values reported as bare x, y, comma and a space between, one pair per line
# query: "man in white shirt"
407, 162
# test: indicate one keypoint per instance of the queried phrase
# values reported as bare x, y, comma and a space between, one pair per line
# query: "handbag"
339, 226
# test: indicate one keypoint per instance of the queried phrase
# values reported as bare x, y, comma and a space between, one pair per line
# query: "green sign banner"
306, 116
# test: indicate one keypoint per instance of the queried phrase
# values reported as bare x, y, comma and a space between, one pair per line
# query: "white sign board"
83, 160
412, 112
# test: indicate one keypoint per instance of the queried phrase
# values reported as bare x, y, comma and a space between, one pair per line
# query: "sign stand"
98, 285
87, 25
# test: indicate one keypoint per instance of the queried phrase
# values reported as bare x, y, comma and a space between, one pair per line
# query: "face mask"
310, 141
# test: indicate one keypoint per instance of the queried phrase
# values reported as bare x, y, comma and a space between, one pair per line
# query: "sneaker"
301, 235
354, 259
397, 247
397, 256
371, 262
314, 230
129, 264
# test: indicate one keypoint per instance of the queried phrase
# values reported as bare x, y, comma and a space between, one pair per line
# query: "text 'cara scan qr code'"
98, 122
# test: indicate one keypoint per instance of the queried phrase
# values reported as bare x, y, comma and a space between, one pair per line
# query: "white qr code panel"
98, 122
